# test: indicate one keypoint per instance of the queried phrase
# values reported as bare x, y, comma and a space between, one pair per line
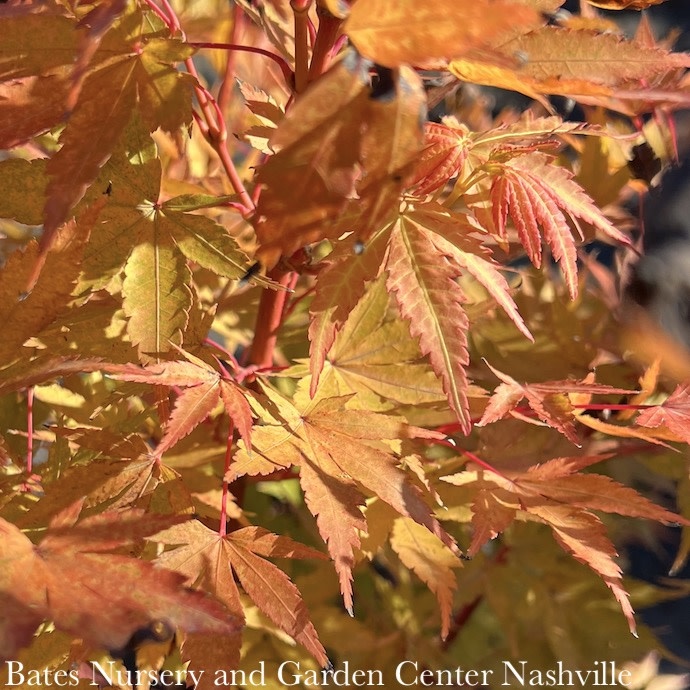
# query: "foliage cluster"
272, 312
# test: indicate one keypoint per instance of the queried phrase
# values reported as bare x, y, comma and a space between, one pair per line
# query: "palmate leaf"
132, 177
537, 194
125, 80
205, 557
100, 597
442, 157
559, 495
426, 556
338, 451
203, 388
152, 241
429, 297
549, 401
375, 357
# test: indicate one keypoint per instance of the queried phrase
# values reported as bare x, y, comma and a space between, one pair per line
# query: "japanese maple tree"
256, 306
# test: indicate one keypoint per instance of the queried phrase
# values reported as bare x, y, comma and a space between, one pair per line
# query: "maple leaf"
204, 388
536, 194
100, 597
588, 65
25, 315
425, 555
144, 80
153, 242
549, 401
429, 297
340, 285
673, 413
443, 155
209, 559
373, 355
337, 450
405, 31
560, 496
345, 153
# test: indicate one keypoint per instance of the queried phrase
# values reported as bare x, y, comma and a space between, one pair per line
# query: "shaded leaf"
100, 597
125, 80
426, 556
25, 315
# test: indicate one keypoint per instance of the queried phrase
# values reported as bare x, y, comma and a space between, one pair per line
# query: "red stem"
300, 9
613, 408
30, 430
268, 320
329, 28
216, 132
284, 67
223, 527
226, 88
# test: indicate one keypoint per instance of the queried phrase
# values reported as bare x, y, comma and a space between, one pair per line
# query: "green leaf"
156, 296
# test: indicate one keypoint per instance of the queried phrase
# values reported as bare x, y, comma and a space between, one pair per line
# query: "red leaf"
101, 598
673, 413
443, 155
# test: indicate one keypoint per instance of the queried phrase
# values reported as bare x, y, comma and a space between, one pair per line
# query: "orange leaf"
443, 155
588, 65
102, 598
337, 450
205, 387
192, 406
584, 536
413, 32
549, 400
536, 194
337, 505
203, 555
428, 297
